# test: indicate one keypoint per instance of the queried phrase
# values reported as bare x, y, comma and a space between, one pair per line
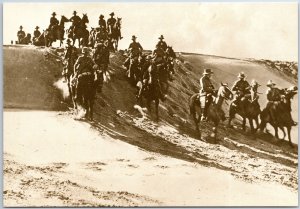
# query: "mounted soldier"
111, 22
53, 24
102, 22
241, 88
159, 55
273, 93
101, 58
162, 44
135, 47
71, 56
75, 22
206, 92
84, 66
36, 34
21, 34
253, 96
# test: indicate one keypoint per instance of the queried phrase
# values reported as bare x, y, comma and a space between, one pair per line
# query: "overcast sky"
247, 30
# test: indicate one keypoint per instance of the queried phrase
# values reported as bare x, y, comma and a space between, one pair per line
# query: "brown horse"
278, 113
248, 108
81, 33
86, 93
115, 33
153, 90
215, 112
57, 32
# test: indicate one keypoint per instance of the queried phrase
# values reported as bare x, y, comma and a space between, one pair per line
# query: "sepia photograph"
150, 104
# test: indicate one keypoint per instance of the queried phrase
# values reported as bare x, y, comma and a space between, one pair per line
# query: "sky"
240, 30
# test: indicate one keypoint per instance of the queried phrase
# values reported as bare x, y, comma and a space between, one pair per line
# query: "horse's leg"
231, 116
156, 108
251, 125
289, 135
283, 131
244, 124
276, 131
256, 122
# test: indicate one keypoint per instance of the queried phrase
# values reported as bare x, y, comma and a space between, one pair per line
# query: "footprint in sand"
122, 160
133, 166
97, 166
162, 166
149, 158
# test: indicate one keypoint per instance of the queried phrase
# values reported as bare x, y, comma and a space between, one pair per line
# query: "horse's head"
290, 92
63, 19
225, 92
85, 19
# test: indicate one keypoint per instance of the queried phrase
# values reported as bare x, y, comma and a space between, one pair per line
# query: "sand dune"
125, 159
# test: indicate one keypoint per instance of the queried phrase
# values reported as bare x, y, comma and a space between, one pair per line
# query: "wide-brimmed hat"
74, 12
133, 37
112, 14
21, 27
101, 16
85, 50
53, 14
271, 83
254, 83
37, 27
241, 75
207, 71
161, 37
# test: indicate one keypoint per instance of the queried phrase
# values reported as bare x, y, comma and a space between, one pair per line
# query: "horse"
170, 56
278, 113
115, 33
85, 85
26, 40
248, 108
39, 41
153, 90
81, 33
56, 32
215, 112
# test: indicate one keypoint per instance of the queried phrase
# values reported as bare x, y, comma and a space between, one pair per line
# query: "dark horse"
215, 112
80, 32
153, 90
115, 33
86, 92
278, 113
26, 40
55, 33
248, 108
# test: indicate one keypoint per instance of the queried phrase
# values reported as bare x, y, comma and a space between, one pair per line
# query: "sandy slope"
66, 162
45, 165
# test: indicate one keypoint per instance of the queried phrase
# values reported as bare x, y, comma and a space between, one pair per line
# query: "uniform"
162, 44
102, 23
101, 58
159, 56
53, 22
21, 35
273, 94
110, 23
206, 91
135, 48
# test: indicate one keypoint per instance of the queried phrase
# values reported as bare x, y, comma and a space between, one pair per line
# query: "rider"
83, 65
241, 88
53, 21
75, 21
159, 55
162, 43
21, 34
206, 90
71, 56
111, 22
274, 94
101, 58
135, 47
253, 96
102, 22
36, 34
